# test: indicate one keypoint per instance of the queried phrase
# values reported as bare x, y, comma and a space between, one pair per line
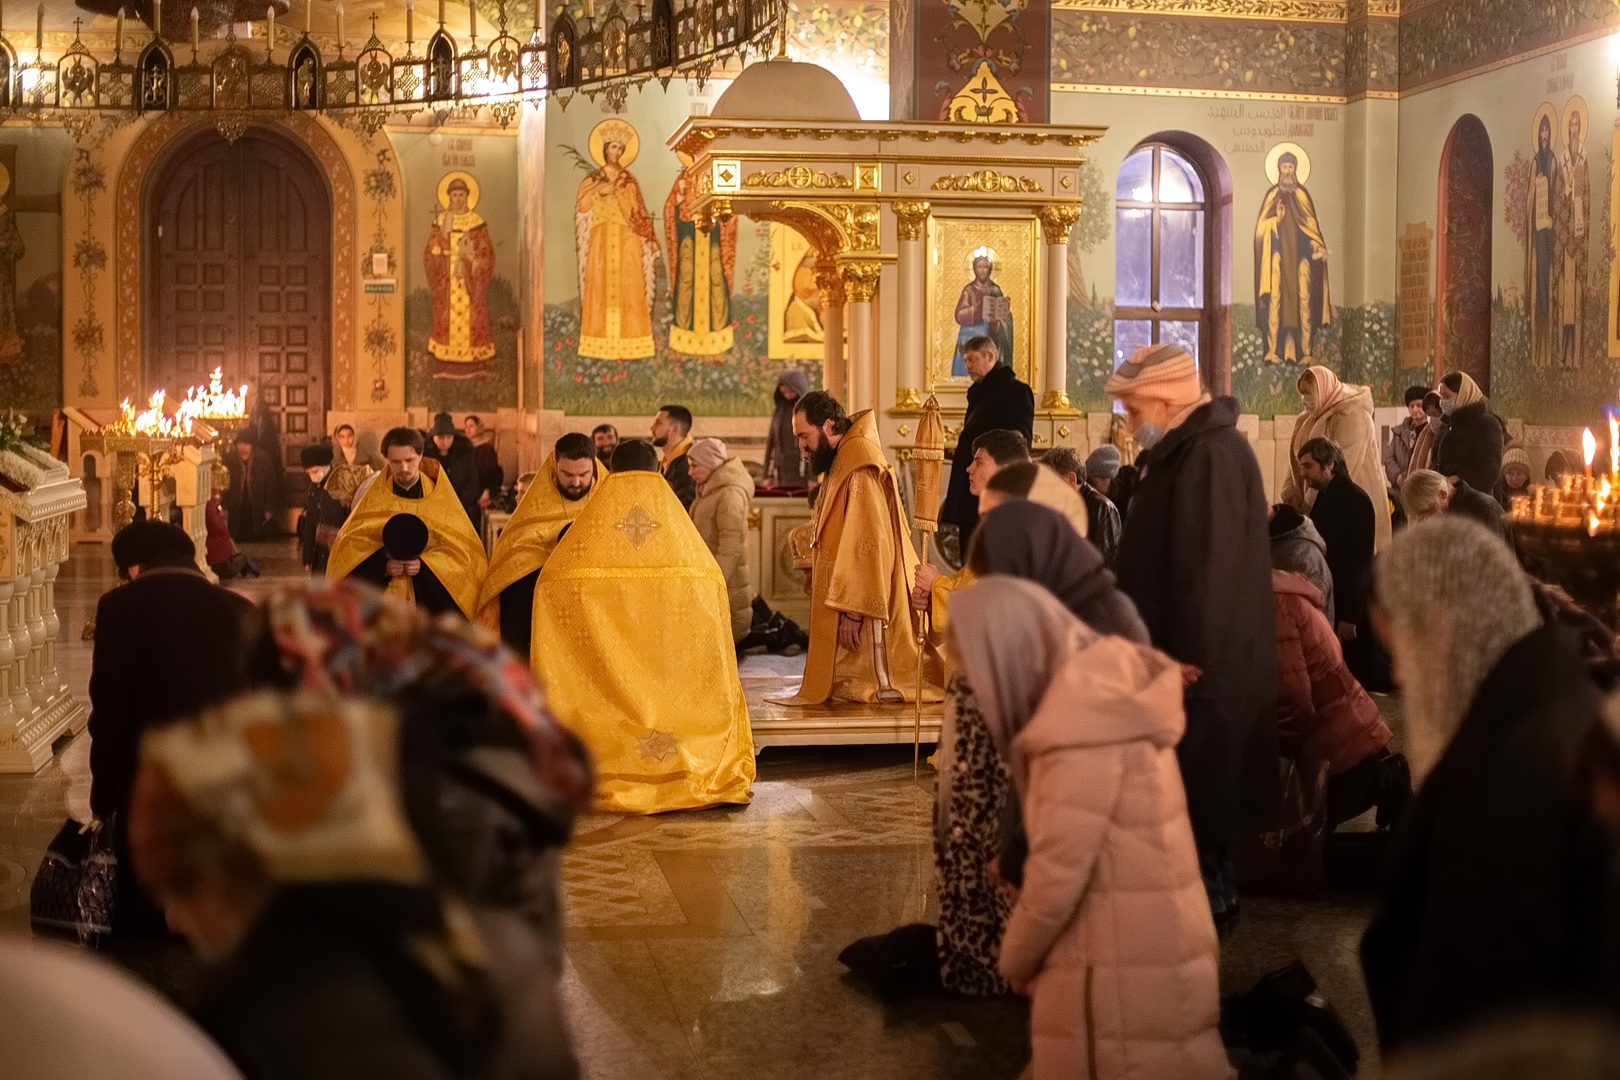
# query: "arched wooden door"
239, 241
1462, 332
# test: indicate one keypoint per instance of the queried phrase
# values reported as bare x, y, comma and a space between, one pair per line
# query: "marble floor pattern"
704, 945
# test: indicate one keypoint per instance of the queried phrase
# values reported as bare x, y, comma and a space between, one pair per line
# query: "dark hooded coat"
784, 465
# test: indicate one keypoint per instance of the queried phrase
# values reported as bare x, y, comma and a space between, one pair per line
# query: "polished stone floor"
704, 945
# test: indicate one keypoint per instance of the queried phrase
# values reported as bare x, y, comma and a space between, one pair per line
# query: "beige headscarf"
1468, 390
1330, 389
1459, 602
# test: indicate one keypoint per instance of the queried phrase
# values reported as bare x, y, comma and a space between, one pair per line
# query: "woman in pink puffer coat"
1111, 934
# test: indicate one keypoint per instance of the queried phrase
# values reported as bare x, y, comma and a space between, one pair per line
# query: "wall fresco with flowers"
1446, 39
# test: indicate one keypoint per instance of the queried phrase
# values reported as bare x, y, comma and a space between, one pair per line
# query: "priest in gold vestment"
557, 496
863, 643
447, 573
638, 658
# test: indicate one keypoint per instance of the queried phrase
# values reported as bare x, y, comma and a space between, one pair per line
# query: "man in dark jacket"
1470, 448
254, 495
168, 644
672, 435
784, 465
459, 460
490, 474
1103, 524
1195, 557
995, 400
1344, 516
323, 515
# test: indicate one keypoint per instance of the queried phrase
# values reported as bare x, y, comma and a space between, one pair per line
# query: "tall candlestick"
118, 36
340, 26
410, 23
196, 30
269, 32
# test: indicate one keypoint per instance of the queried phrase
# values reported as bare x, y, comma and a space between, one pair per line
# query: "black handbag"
77, 885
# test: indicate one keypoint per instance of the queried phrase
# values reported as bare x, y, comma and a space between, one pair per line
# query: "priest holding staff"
863, 645
408, 534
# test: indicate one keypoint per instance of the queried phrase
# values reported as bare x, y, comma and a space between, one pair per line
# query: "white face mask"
1435, 424
1447, 405
1147, 434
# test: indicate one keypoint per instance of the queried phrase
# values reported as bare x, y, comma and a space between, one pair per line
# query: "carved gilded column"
910, 223
1057, 220
860, 284
831, 285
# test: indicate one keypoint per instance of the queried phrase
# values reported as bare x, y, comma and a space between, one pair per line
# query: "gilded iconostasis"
1390, 189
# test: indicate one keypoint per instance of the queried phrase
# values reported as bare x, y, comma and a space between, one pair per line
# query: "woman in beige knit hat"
720, 512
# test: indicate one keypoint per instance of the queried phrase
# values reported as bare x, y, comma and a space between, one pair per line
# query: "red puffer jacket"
1323, 714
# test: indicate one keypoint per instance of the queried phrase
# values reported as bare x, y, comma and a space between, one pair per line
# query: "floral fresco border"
1447, 39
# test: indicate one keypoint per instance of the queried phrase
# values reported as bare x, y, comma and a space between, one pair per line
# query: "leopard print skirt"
973, 909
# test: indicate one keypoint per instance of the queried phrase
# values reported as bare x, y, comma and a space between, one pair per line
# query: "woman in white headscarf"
1111, 933
1497, 879
1342, 412
1470, 448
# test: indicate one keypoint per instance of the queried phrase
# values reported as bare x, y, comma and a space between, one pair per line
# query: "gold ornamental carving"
983, 100
832, 227
1055, 401
1057, 221
830, 283
861, 280
907, 399
1285, 10
910, 218
801, 177
989, 182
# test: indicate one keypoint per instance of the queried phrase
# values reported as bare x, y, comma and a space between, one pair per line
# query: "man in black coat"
255, 492
1344, 516
323, 515
459, 461
672, 435
995, 400
168, 644
1196, 558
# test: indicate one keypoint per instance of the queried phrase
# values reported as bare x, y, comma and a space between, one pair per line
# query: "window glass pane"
1184, 334
1136, 178
1133, 257
1130, 335
1181, 258
1178, 180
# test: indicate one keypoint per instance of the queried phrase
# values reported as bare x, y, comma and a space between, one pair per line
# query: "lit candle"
410, 23
340, 25
1614, 448
270, 31
196, 27
118, 35
1588, 449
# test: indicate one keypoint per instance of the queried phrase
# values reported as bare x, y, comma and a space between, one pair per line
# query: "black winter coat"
679, 475
1470, 448
168, 645
1196, 558
997, 401
320, 508
1344, 516
1498, 881
461, 466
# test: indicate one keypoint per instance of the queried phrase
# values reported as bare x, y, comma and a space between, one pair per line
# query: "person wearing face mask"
1434, 422
1471, 447
1196, 558
1343, 413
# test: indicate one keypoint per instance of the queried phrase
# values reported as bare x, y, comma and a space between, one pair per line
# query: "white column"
1056, 222
833, 367
860, 284
911, 222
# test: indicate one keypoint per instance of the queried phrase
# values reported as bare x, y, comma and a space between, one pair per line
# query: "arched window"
1164, 288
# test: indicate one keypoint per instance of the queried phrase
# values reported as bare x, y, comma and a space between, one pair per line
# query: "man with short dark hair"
1344, 516
1102, 516
996, 400
454, 451
606, 437
490, 474
634, 455
168, 644
672, 433
557, 496
863, 646
992, 452
447, 573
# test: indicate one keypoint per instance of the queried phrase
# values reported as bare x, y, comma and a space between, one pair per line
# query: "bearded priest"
443, 570
657, 701
538, 523
863, 646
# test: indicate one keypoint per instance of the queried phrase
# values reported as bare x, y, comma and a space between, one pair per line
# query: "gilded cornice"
1275, 10
698, 138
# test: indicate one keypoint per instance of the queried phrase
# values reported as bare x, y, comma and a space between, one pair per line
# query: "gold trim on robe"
531, 534
454, 553
865, 565
638, 658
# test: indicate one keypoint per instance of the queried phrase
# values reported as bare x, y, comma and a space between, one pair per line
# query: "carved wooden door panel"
239, 279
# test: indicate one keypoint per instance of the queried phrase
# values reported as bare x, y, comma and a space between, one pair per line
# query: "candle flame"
212, 402
1614, 446
1588, 446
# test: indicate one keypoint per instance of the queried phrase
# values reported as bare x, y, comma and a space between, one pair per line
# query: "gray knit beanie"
1103, 464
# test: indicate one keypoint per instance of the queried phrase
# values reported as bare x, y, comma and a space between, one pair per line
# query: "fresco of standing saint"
701, 263
11, 253
982, 309
459, 261
1541, 249
1573, 216
618, 251
1291, 299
